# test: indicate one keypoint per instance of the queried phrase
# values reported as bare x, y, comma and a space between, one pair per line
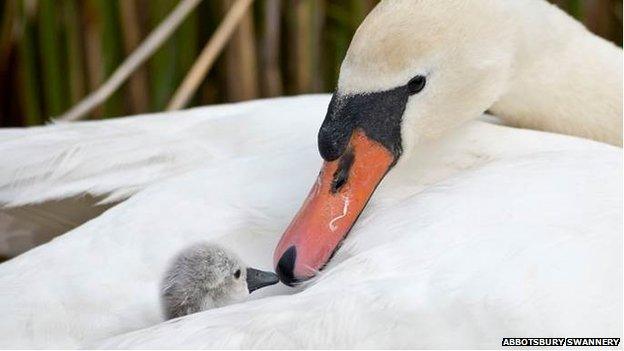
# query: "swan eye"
237, 274
416, 84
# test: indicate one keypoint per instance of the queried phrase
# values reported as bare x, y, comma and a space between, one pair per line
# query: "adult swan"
416, 69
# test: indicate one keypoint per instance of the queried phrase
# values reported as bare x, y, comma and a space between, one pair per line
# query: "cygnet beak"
257, 279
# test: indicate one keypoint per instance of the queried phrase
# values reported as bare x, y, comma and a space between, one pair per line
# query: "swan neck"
564, 80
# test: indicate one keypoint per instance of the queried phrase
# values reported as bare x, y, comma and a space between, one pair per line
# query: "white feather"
118, 157
469, 240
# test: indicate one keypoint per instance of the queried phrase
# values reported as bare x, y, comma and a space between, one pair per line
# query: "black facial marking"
378, 114
342, 173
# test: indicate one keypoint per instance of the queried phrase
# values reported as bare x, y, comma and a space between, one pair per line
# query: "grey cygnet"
205, 276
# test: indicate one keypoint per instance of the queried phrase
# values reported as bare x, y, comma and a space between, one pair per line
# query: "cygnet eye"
237, 274
416, 84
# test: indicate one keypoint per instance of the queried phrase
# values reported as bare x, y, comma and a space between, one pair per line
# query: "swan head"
205, 276
413, 70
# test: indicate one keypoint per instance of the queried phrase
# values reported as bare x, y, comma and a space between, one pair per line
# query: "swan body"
509, 231
478, 231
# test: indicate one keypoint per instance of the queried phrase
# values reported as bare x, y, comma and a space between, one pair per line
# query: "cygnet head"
205, 276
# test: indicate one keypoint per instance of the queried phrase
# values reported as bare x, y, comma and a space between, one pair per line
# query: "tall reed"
74, 46
28, 85
54, 84
131, 19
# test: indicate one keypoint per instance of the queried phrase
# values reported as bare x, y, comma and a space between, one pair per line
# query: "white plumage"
67, 159
488, 232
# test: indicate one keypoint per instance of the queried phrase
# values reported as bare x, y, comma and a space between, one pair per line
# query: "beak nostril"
342, 173
339, 180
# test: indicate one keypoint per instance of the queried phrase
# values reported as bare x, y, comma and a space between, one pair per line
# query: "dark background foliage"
53, 52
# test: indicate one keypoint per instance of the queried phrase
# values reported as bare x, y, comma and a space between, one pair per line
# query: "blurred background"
53, 52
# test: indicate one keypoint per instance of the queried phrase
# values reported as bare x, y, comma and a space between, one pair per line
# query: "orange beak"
334, 203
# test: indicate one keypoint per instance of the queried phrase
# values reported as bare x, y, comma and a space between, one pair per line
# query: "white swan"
493, 239
416, 69
486, 232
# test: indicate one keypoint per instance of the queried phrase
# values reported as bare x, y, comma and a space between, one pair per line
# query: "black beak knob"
286, 266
